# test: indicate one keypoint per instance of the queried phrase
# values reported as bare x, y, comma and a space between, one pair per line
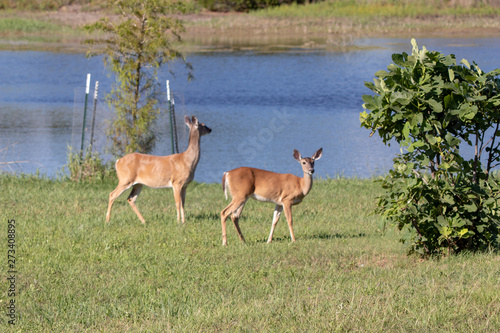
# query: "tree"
432, 107
135, 47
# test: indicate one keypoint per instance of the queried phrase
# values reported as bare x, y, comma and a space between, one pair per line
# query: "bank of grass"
336, 24
21, 25
326, 24
344, 272
35, 30
372, 9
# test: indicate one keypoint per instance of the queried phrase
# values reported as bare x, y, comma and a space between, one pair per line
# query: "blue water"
260, 106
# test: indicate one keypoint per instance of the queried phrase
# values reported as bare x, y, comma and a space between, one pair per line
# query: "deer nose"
311, 171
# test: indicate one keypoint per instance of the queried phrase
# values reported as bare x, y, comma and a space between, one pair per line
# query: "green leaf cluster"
134, 48
431, 106
86, 167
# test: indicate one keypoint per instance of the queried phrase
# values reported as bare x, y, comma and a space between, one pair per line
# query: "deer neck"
307, 183
192, 153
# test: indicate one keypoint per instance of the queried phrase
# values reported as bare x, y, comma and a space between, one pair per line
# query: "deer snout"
205, 130
310, 171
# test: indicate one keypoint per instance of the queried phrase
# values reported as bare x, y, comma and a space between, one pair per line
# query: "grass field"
74, 273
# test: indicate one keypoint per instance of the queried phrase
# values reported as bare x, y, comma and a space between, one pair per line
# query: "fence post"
87, 89
173, 127
93, 115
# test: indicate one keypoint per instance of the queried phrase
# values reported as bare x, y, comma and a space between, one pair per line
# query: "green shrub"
88, 167
432, 107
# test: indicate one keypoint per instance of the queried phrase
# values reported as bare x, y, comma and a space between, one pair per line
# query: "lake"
260, 105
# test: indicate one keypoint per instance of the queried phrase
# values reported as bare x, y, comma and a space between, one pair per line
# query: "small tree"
135, 47
432, 107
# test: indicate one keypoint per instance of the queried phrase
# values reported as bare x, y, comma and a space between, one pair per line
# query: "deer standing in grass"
176, 171
284, 190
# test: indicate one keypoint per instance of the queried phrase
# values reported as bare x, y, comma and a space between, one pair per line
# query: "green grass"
344, 273
26, 25
35, 30
368, 9
46, 4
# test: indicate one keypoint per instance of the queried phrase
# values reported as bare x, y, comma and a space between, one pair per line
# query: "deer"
172, 171
284, 190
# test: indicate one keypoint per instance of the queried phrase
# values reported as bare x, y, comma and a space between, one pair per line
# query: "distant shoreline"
239, 31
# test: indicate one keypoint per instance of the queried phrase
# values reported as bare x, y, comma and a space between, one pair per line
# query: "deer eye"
303, 162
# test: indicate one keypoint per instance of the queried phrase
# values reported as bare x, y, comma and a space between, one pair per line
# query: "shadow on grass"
203, 217
323, 236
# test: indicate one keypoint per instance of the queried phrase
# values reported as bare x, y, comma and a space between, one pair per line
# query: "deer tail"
224, 187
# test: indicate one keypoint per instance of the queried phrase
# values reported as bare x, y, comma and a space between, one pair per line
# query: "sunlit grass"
35, 30
26, 25
375, 8
344, 272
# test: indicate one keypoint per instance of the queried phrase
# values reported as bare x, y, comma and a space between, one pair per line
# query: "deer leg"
183, 200
178, 203
236, 218
230, 209
112, 197
288, 214
136, 190
276, 216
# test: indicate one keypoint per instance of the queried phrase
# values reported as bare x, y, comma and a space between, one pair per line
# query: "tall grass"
344, 273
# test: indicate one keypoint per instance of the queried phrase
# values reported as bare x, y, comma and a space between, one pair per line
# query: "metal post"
93, 115
87, 89
171, 118
176, 141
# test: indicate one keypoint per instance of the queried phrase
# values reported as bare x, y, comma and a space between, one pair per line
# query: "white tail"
176, 171
284, 190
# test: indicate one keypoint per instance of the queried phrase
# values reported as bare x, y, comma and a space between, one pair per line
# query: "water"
260, 106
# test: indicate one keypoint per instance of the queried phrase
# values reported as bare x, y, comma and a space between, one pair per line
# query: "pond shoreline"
208, 31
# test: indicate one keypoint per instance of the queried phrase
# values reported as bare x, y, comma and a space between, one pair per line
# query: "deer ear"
194, 120
317, 155
187, 121
297, 155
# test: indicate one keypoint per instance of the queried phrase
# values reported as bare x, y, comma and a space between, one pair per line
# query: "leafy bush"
432, 107
87, 167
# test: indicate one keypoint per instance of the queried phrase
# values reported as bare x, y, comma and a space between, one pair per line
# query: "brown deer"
176, 171
284, 190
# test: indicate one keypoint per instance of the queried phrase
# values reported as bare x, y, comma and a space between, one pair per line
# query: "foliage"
88, 167
433, 107
135, 48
